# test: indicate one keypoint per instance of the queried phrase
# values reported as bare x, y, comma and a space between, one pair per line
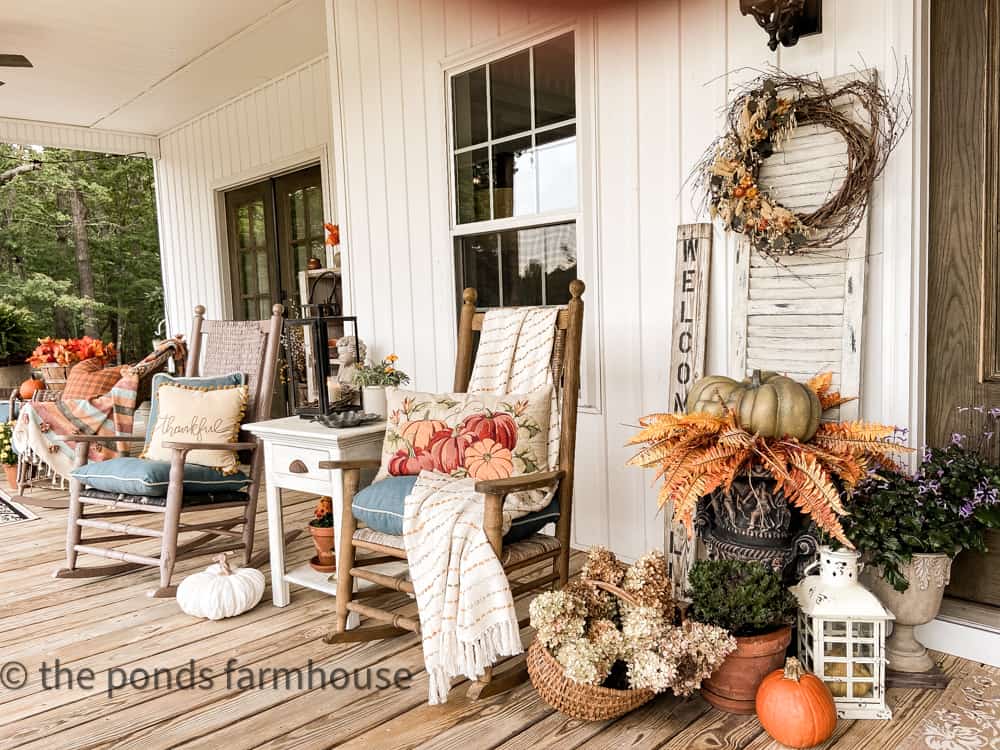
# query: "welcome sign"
690, 327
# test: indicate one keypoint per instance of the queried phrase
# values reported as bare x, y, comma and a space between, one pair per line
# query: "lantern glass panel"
834, 629
862, 629
311, 364
864, 650
834, 650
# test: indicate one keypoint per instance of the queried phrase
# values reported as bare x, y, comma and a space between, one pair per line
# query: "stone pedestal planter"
919, 604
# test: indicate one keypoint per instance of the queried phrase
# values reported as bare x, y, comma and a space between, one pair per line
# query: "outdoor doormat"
966, 717
11, 512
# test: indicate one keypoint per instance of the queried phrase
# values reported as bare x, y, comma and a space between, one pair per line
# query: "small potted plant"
750, 601
321, 528
910, 528
374, 378
15, 344
8, 458
56, 357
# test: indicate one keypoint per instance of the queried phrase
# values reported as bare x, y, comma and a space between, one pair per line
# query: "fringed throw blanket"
43, 428
467, 616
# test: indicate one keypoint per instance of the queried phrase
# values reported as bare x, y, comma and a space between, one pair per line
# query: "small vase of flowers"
322, 530
374, 378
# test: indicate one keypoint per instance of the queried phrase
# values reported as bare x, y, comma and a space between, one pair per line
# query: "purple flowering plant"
945, 507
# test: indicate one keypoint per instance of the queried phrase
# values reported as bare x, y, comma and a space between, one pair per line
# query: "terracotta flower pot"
919, 604
325, 561
10, 473
733, 686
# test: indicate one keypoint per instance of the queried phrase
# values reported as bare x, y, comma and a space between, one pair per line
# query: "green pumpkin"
769, 404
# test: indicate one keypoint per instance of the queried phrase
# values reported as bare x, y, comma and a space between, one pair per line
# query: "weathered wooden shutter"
803, 314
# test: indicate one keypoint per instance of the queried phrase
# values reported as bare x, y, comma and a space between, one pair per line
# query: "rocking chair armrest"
351, 463
182, 446
106, 438
522, 483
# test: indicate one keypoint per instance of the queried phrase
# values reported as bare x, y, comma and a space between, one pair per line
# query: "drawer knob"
298, 467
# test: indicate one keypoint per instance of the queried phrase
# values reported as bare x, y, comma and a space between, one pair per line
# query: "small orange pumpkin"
29, 386
488, 459
419, 432
795, 707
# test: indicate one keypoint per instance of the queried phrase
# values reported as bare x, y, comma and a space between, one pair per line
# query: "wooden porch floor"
109, 624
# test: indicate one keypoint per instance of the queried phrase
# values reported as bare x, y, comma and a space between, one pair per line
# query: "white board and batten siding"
654, 80
278, 126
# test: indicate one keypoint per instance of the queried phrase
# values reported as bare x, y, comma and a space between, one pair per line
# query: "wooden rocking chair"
247, 347
516, 556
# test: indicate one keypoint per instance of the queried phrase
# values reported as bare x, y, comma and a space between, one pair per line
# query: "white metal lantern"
842, 635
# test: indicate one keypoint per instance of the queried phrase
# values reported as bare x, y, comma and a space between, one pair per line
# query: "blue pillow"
380, 506
233, 378
137, 476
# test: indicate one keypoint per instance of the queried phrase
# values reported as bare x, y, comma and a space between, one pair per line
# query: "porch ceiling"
145, 67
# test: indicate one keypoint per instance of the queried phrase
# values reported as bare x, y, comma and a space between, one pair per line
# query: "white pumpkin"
220, 591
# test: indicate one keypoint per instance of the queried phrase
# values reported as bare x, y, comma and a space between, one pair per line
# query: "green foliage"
7, 455
944, 508
745, 598
16, 341
38, 263
381, 373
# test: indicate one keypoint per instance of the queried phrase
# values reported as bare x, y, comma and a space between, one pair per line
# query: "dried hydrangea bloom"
648, 670
648, 580
608, 640
695, 650
557, 617
602, 565
600, 605
642, 627
583, 662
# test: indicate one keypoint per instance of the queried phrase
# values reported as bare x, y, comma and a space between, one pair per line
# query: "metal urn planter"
753, 521
928, 575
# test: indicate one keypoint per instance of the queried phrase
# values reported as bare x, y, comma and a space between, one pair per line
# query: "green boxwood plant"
745, 598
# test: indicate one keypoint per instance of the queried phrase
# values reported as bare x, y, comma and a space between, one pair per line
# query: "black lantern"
785, 21
311, 356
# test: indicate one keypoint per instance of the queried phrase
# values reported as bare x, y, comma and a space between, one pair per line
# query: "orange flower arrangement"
66, 352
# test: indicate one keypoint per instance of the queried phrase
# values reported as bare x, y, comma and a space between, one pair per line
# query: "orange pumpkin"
493, 425
795, 707
403, 464
448, 448
419, 432
28, 388
487, 459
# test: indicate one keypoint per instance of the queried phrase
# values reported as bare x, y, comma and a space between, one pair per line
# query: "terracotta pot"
10, 474
325, 561
733, 686
919, 604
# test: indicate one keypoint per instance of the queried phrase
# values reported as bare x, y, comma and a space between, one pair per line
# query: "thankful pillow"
479, 435
191, 414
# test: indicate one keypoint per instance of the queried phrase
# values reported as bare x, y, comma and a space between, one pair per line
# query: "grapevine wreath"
760, 119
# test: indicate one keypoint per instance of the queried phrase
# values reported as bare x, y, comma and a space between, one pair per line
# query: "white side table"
293, 448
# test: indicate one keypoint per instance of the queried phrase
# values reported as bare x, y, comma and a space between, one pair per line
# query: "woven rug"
965, 717
11, 512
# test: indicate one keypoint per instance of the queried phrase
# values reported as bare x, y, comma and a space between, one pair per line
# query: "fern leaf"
821, 383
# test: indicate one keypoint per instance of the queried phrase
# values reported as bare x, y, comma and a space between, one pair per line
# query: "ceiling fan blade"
1, 83
15, 61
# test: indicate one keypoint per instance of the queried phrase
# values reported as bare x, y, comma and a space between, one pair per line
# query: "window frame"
584, 216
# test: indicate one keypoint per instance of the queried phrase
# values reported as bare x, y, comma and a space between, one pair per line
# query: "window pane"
314, 199
263, 281
248, 273
480, 267
560, 262
472, 182
522, 255
510, 95
555, 81
243, 220
468, 94
514, 183
257, 220
556, 165
297, 206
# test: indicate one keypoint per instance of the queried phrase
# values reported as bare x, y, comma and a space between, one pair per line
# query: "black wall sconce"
785, 20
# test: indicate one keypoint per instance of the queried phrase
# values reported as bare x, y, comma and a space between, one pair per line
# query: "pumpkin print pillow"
476, 435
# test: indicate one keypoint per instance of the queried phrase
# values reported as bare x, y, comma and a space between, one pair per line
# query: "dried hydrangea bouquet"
615, 628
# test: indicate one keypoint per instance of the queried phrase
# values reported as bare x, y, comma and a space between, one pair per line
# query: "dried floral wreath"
760, 120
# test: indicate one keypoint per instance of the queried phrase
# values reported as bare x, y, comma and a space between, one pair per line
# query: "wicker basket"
55, 376
579, 701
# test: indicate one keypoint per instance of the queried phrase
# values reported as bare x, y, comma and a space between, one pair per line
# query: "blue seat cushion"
137, 476
380, 506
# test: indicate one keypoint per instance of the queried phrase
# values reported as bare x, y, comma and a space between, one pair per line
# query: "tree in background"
78, 244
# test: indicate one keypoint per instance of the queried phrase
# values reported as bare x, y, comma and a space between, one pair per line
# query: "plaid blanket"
44, 427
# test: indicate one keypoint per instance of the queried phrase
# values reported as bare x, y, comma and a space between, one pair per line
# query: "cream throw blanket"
467, 617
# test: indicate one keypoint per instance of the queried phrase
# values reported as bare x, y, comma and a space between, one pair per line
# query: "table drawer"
294, 462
